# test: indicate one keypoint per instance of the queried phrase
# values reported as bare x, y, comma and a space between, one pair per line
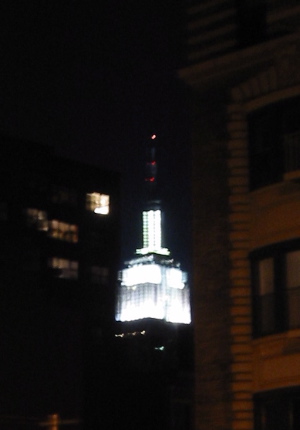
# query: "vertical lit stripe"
145, 230
152, 229
157, 229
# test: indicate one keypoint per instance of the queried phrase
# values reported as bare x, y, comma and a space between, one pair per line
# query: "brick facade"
228, 369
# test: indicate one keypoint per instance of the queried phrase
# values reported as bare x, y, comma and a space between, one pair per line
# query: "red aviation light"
152, 179
153, 136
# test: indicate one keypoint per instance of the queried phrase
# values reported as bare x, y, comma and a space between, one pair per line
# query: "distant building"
243, 78
59, 222
153, 285
153, 314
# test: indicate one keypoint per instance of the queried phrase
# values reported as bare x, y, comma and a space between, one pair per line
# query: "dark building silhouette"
59, 222
243, 78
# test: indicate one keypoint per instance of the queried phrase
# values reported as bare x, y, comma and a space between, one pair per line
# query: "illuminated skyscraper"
152, 285
153, 341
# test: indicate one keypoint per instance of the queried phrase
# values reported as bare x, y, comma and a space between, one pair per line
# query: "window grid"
63, 231
64, 268
98, 203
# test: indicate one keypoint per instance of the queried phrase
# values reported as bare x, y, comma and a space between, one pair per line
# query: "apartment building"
243, 78
59, 222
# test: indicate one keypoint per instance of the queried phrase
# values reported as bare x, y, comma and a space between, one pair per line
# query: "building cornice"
207, 72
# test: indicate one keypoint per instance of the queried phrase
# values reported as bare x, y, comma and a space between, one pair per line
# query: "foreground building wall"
246, 192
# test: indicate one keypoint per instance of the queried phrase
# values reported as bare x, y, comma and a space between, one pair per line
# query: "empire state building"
152, 285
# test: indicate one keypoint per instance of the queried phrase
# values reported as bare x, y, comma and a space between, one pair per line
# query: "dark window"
251, 20
276, 288
63, 195
3, 211
293, 287
99, 275
277, 410
274, 142
264, 295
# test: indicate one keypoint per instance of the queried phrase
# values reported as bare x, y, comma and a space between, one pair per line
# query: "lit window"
63, 231
37, 219
98, 203
63, 268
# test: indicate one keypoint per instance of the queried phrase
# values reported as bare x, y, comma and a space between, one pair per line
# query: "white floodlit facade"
153, 286
153, 291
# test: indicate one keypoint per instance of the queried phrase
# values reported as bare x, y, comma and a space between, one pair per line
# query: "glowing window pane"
63, 231
98, 203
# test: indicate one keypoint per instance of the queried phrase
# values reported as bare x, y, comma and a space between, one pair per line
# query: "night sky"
94, 79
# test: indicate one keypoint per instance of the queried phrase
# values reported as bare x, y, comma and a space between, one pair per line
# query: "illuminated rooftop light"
152, 233
145, 251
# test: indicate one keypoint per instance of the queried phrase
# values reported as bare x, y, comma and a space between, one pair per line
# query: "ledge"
294, 175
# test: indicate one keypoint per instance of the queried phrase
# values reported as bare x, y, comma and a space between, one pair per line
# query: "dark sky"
95, 79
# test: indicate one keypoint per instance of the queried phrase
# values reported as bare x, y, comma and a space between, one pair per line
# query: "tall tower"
152, 285
154, 341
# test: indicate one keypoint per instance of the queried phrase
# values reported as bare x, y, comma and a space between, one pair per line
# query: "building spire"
151, 168
152, 222
153, 285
